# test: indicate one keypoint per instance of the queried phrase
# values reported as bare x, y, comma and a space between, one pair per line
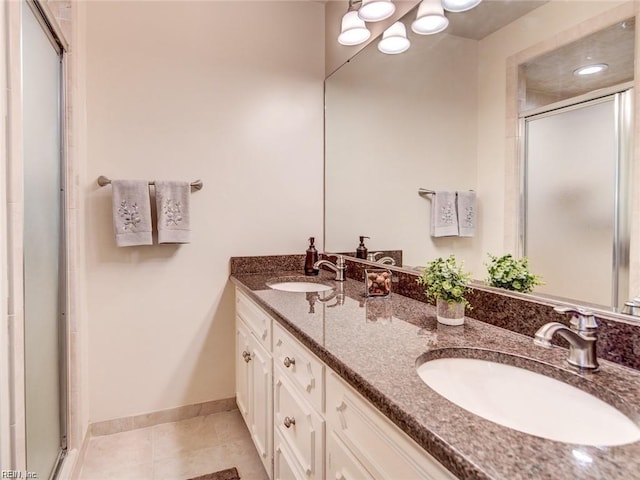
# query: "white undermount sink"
528, 402
299, 285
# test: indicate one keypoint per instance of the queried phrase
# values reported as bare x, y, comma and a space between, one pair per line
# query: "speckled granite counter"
378, 356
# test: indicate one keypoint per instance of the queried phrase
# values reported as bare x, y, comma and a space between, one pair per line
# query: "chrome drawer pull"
288, 421
289, 361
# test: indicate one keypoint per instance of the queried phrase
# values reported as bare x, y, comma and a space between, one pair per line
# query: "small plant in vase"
511, 274
446, 284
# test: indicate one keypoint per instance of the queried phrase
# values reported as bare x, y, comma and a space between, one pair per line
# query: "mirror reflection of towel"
444, 218
467, 211
131, 212
172, 203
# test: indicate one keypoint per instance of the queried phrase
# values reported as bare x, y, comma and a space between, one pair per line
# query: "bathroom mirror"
444, 116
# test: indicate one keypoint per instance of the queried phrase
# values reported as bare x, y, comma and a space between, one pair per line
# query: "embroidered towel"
467, 213
172, 202
444, 220
131, 212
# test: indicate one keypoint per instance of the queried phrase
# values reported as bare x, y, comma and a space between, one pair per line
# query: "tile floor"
175, 451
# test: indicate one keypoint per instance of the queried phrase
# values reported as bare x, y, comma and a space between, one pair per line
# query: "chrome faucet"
372, 257
581, 336
386, 261
632, 307
339, 267
337, 294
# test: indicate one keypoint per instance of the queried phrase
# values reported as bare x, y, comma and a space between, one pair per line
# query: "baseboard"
109, 427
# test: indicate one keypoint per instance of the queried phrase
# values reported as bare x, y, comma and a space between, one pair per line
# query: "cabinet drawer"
255, 318
300, 366
300, 426
381, 447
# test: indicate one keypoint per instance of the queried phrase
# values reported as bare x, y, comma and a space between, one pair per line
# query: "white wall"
227, 92
397, 123
497, 186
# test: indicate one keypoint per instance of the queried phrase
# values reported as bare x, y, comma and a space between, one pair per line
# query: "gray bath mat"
226, 474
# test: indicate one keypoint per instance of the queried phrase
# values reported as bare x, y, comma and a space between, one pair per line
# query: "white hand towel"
444, 219
131, 212
172, 202
467, 211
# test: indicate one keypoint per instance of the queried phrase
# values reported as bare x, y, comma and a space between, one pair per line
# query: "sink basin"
299, 284
528, 402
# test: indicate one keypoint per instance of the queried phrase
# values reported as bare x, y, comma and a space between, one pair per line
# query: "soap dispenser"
311, 258
361, 251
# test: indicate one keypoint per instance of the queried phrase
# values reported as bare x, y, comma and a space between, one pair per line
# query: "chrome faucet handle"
583, 319
340, 263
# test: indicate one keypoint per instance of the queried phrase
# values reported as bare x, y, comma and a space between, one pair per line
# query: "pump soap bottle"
311, 258
361, 251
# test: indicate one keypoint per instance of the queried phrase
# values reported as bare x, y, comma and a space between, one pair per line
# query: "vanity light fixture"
376, 10
590, 69
353, 31
459, 5
394, 39
430, 18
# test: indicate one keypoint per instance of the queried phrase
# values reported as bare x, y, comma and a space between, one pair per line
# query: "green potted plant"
446, 284
511, 274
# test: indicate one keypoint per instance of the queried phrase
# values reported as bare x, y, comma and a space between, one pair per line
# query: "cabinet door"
243, 351
341, 464
301, 427
284, 464
261, 402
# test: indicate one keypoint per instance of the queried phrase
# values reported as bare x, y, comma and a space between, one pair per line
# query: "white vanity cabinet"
363, 443
254, 375
306, 422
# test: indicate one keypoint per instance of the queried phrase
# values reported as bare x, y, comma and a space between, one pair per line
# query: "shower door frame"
623, 98
42, 16
14, 450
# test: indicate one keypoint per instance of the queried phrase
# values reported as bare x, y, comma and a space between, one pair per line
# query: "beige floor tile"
175, 451
247, 460
191, 464
228, 425
115, 471
126, 448
170, 439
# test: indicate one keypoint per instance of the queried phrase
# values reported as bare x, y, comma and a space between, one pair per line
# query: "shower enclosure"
43, 244
575, 228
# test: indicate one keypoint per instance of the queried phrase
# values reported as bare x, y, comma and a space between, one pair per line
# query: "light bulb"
354, 31
376, 10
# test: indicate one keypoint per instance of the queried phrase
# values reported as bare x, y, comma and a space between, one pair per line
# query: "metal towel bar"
104, 181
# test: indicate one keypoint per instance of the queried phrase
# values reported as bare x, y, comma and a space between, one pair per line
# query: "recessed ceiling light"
591, 69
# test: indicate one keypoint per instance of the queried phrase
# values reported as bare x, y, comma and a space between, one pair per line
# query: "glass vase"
449, 313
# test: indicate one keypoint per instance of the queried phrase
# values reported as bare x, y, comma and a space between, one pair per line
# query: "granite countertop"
375, 343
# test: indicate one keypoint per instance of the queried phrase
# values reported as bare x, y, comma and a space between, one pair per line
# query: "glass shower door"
43, 298
574, 201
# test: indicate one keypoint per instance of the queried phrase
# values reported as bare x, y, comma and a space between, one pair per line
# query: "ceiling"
488, 17
552, 75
